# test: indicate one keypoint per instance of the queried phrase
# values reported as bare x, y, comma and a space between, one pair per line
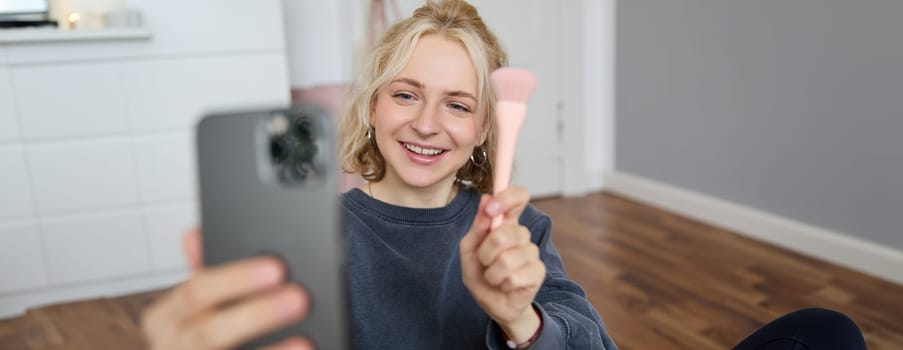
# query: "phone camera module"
293, 148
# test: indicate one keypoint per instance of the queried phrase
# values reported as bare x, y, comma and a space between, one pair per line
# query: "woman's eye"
404, 96
459, 107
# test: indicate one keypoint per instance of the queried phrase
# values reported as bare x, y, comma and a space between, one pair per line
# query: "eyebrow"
419, 85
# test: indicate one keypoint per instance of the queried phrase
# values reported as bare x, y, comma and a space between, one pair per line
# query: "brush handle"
509, 118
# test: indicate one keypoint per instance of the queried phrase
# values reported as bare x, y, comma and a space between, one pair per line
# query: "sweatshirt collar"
359, 201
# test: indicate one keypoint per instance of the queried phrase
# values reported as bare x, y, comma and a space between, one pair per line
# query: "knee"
813, 328
828, 323
825, 320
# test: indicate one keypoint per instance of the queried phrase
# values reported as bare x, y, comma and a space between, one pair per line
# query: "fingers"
478, 228
528, 277
500, 240
293, 343
510, 262
212, 287
234, 325
192, 249
509, 203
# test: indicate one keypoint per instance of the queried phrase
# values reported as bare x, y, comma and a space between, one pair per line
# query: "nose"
427, 121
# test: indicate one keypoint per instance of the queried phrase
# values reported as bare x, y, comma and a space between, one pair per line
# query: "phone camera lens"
294, 151
277, 151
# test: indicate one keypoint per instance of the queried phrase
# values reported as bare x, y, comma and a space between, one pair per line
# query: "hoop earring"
483, 155
370, 135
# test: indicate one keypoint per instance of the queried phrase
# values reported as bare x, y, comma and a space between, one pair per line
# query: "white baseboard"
855, 253
13, 304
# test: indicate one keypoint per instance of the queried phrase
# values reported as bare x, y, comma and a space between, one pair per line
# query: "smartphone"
269, 186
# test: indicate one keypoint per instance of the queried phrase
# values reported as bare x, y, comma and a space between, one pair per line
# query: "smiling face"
426, 119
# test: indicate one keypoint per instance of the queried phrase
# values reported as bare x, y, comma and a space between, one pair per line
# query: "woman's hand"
225, 306
501, 268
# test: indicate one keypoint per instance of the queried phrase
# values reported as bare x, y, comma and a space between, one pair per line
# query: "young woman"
424, 268
421, 132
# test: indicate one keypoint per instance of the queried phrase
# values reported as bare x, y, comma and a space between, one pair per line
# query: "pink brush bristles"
513, 87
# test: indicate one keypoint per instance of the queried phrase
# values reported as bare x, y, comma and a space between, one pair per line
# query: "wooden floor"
659, 281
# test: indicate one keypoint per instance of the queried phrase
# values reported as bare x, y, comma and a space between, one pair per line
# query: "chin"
420, 181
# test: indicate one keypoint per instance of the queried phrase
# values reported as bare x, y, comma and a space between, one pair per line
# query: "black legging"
807, 329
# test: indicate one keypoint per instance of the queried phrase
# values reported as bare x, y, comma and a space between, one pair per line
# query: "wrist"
524, 330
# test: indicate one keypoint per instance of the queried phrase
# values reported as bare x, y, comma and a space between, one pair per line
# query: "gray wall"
791, 107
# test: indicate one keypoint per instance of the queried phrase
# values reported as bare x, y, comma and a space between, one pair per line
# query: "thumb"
192, 248
478, 228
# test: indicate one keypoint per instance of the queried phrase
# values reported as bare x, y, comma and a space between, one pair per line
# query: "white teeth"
423, 151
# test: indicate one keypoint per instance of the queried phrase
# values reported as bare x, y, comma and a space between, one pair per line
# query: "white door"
530, 31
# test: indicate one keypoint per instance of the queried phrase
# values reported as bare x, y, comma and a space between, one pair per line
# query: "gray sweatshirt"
406, 292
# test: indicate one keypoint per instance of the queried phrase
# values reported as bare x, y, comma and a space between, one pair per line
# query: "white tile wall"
97, 164
70, 100
15, 192
234, 25
169, 94
146, 106
21, 257
189, 88
91, 247
9, 128
74, 176
165, 227
166, 166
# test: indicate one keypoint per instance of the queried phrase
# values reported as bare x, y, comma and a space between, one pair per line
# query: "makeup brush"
513, 87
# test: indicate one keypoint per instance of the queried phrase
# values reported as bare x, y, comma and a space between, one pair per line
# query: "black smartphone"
269, 186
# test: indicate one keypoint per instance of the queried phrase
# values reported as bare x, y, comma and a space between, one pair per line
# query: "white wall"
96, 145
318, 34
786, 108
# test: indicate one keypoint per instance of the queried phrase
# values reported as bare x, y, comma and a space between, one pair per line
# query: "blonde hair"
456, 20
